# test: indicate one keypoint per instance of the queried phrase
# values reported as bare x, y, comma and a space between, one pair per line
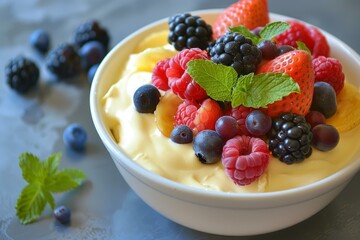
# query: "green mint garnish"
223, 84
302, 46
246, 33
43, 179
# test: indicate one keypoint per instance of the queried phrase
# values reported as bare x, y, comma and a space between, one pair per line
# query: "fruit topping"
146, 98
233, 49
91, 53
258, 123
208, 146
325, 137
75, 136
22, 74
182, 134
158, 77
245, 159
315, 118
285, 48
62, 214
91, 31
324, 99
240, 113
268, 49
187, 31
227, 127
290, 138
40, 40
329, 70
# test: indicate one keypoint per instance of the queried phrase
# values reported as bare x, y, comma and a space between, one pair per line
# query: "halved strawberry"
297, 64
250, 13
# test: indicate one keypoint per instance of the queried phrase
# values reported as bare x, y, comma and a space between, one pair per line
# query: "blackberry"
91, 31
233, 49
22, 74
64, 61
290, 138
187, 31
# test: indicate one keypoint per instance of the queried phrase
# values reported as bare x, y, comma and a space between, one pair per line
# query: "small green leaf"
65, 180
30, 166
302, 46
246, 33
49, 198
217, 79
52, 163
258, 91
273, 29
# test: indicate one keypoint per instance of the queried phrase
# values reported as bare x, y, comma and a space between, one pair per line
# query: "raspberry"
240, 113
245, 159
329, 70
159, 78
180, 81
198, 117
321, 46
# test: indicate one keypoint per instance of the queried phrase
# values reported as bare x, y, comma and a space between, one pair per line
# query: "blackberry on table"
91, 31
187, 31
290, 138
22, 74
233, 49
64, 61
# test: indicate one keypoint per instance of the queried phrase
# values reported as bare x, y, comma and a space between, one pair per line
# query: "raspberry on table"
22, 74
158, 77
328, 69
187, 31
91, 31
245, 159
179, 80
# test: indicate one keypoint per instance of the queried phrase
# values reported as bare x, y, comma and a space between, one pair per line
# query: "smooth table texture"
104, 207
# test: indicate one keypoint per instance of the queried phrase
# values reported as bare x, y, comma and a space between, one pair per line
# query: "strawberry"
297, 64
250, 13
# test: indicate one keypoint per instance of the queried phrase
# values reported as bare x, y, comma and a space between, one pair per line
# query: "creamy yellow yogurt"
138, 135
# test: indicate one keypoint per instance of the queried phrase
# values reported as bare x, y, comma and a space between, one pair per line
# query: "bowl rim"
318, 187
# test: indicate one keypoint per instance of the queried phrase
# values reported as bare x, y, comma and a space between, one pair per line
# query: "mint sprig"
302, 46
223, 84
43, 179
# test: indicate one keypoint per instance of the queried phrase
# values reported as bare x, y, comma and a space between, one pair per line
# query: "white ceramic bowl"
210, 211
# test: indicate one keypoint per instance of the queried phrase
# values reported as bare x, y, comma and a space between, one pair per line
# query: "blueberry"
324, 99
182, 134
258, 123
325, 137
62, 214
91, 53
75, 136
91, 72
208, 146
40, 40
146, 98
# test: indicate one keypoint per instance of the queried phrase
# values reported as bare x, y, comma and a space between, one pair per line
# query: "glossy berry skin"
208, 146
75, 136
182, 134
91, 30
62, 214
258, 123
40, 40
325, 137
268, 49
315, 118
227, 127
146, 98
324, 99
91, 53
285, 48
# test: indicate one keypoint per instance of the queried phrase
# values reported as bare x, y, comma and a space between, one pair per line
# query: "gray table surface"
104, 207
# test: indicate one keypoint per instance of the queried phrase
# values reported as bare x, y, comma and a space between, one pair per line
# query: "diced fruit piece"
329, 70
315, 118
182, 134
62, 214
75, 136
40, 40
245, 159
324, 99
227, 127
91, 53
208, 146
146, 98
325, 137
258, 123
158, 77
297, 64
165, 112
249, 13
268, 49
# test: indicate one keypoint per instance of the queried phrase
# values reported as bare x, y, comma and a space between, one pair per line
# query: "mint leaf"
246, 33
258, 91
217, 79
65, 180
30, 166
302, 46
273, 29
52, 163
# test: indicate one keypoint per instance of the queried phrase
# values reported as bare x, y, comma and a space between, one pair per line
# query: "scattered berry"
91, 53
187, 31
91, 31
208, 146
258, 123
182, 134
22, 74
227, 127
329, 70
240, 113
290, 138
158, 77
315, 118
91, 72
62, 214
64, 61
75, 136
325, 137
249, 13
268, 49
40, 40
180, 81
245, 159
146, 98
233, 49
198, 117
324, 99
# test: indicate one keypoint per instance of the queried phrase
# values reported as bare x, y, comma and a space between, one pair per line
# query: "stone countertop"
104, 207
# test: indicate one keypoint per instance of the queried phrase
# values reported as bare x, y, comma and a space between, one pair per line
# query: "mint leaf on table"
43, 179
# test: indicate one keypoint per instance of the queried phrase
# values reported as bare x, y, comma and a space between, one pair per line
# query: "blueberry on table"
40, 40
91, 53
62, 214
75, 136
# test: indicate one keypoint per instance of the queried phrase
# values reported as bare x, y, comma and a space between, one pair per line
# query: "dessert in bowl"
202, 196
